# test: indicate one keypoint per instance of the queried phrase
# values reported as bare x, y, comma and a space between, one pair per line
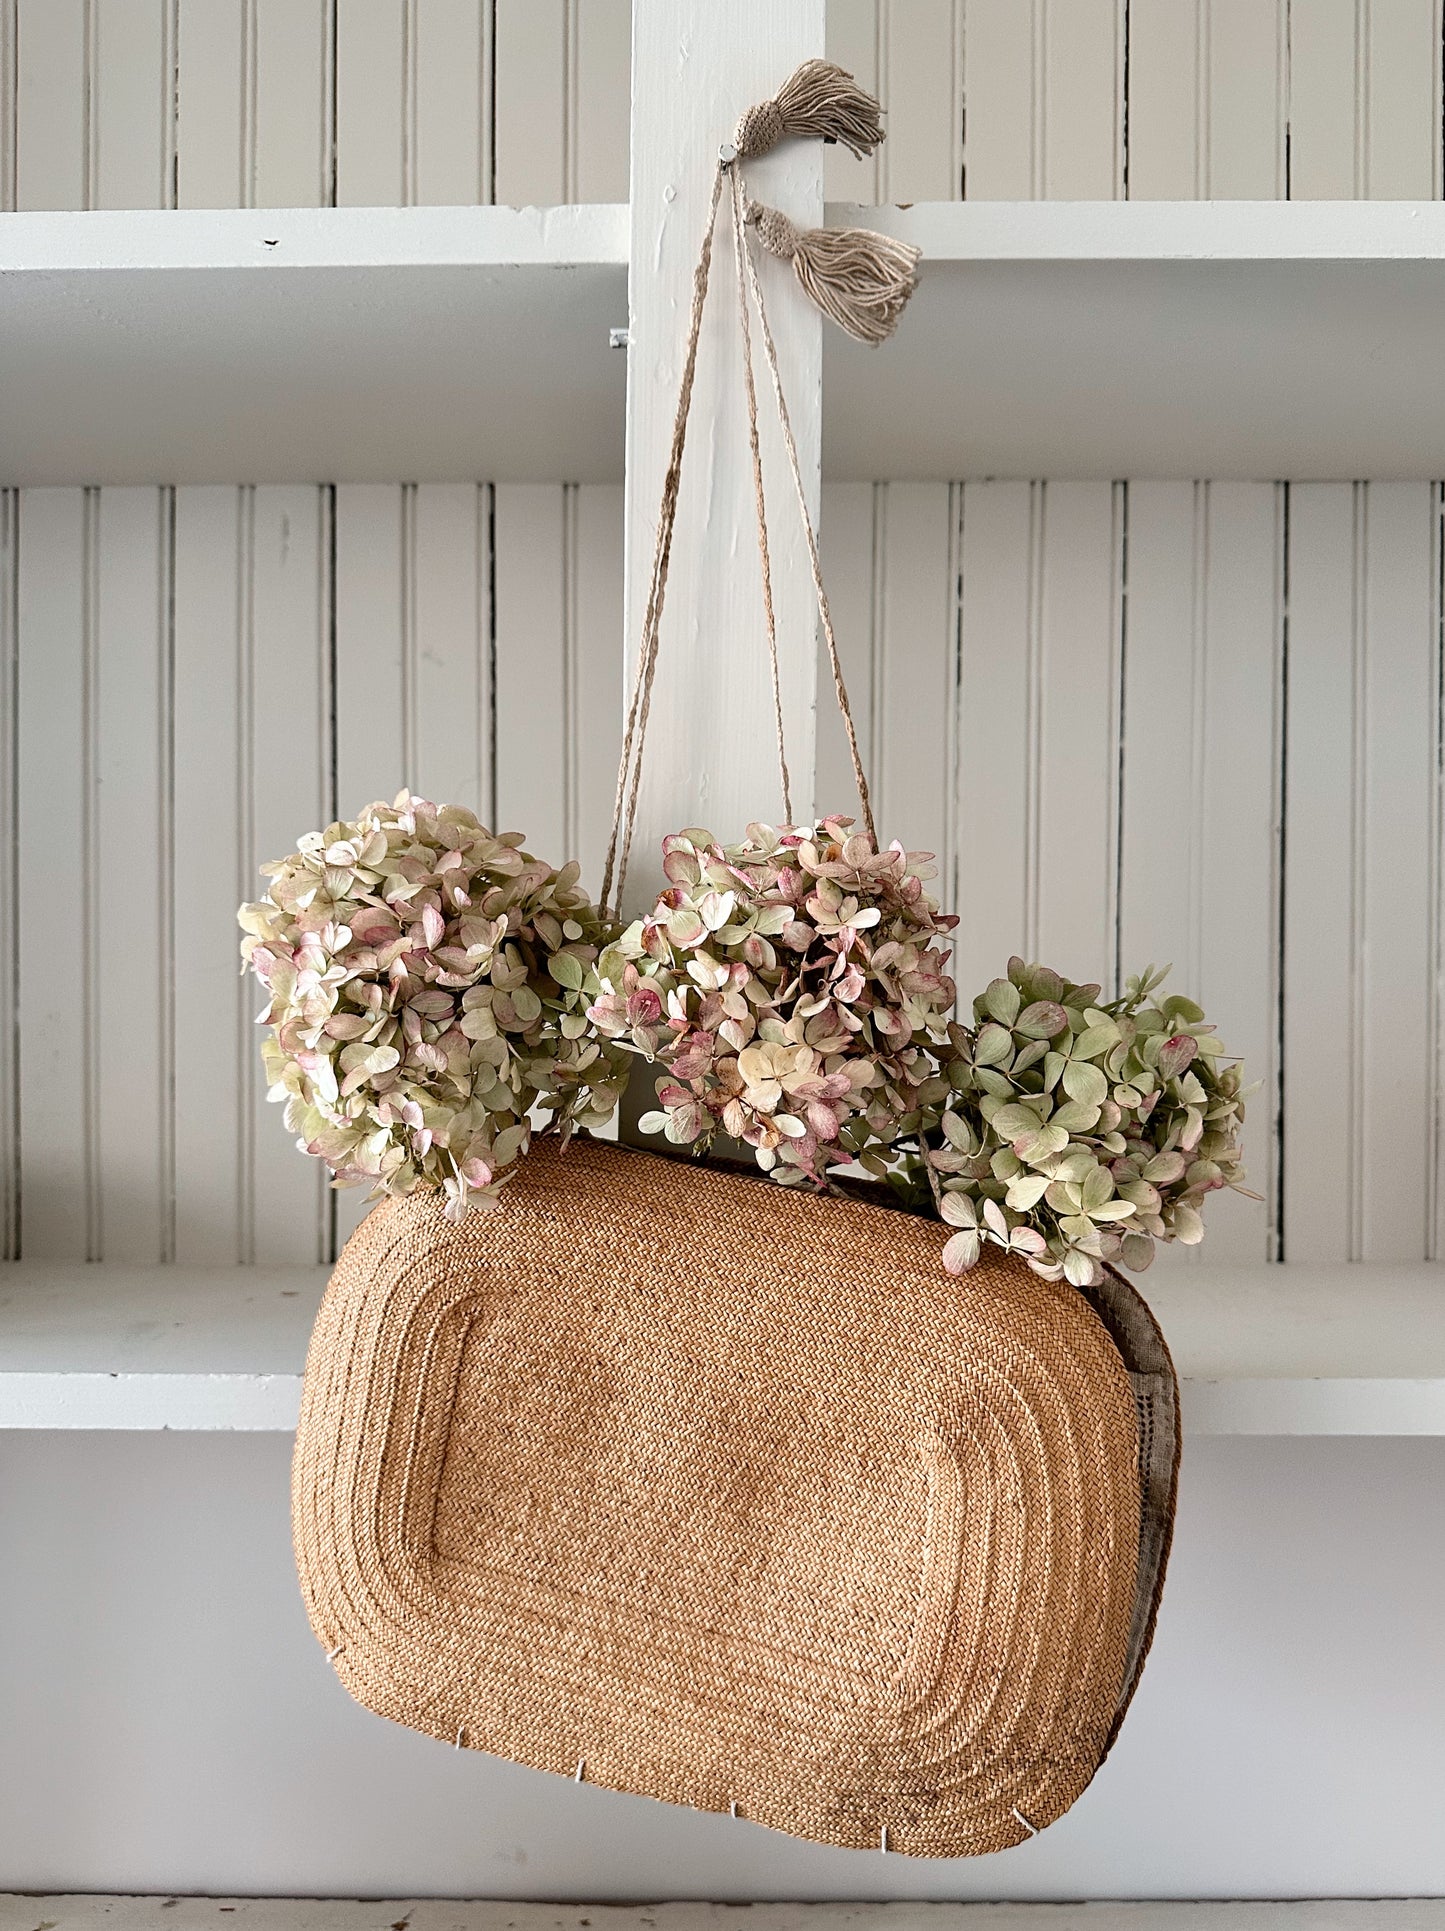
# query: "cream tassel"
820, 100
860, 280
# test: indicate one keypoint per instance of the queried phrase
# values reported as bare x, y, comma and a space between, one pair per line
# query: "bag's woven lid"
727, 1495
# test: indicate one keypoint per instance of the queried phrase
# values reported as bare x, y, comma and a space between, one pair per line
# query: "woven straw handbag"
666, 1478
669, 1479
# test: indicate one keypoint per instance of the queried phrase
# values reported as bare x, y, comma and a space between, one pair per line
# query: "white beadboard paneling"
533, 713
375, 525
914, 686
920, 55
1074, 804
9, 22
1401, 97
849, 543
451, 136
9, 856
1198, 872
1168, 65
596, 618
131, 876
1398, 692
994, 813
1002, 121
291, 102
1323, 908
215, 1039
133, 103
531, 114
602, 93
213, 95
852, 44
1081, 64
56, 936
53, 61
286, 650
448, 645
1327, 127
373, 103
1247, 100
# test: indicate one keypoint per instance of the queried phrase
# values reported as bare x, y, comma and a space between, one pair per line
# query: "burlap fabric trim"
670, 1479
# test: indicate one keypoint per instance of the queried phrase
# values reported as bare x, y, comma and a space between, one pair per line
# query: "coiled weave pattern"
727, 1495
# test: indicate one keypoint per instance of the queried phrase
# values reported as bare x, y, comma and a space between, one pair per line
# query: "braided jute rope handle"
860, 281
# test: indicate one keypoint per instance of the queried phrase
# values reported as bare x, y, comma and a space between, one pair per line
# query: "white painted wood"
601, 82
132, 885
1080, 69
447, 641
1248, 106
532, 117
999, 694
9, 26
1261, 1350
1397, 694
595, 619
1323, 883
56, 699
913, 688
1002, 119
90, 1912
476, 342
1229, 355
213, 122
920, 55
1199, 857
374, 119
375, 572
1401, 99
849, 550
53, 155
212, 872
290, 112
133, 103
9, 867
1251, 340
710, 751
286, 647
534, 720
852, 43
1072, 807
451, 133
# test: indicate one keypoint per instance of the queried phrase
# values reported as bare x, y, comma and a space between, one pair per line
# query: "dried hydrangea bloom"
795, 988
424, 981
1084, 1130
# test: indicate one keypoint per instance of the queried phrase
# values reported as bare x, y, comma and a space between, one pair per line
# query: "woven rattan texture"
729, 1496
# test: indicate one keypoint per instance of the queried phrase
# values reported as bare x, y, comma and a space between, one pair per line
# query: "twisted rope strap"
859, 280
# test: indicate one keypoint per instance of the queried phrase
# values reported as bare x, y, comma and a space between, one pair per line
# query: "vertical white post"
711, 750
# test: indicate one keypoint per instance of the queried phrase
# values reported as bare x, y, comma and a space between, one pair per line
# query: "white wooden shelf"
1223, 339
312, 345
1297, 1350
1059, 339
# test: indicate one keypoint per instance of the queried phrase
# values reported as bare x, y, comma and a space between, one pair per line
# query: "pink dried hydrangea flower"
795, 988
424, 982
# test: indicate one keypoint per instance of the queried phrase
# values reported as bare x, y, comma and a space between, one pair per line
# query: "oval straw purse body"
692, 1486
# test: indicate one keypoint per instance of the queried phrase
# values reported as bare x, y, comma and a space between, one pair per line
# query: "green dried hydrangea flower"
424, 982
1081, 1131
795, 987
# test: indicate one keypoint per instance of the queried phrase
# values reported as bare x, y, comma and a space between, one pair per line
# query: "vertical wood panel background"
1186, 721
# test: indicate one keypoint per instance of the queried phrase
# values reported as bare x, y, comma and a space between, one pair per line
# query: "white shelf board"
1299, 1350
1068, 338
312, 345
1065, 338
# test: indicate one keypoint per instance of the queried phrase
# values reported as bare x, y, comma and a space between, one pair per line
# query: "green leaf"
993, 1047
1098, 1188
1094, 1040
1084, 1082
566, 970
1074, 1117
1002, 1000
1010, 1122
1044, 1019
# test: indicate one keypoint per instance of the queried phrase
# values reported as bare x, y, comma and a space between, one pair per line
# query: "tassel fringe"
860, 280
819, 101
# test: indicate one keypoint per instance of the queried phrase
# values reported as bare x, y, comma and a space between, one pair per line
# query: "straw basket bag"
669, 1479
